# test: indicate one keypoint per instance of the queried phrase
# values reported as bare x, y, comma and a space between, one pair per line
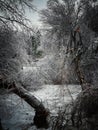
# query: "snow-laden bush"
13, 53
41, 72
48, 70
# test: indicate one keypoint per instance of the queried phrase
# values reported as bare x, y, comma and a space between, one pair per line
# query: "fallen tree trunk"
41, 113
27, 96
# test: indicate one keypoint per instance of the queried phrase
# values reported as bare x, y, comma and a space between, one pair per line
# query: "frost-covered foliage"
13, 53
41, 72
57, 18
70, 25
60, 19
64, 73
12, 12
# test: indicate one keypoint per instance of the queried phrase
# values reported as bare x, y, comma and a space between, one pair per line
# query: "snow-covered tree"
70, 19
12, 12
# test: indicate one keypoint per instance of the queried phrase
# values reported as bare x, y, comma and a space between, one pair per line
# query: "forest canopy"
13, 12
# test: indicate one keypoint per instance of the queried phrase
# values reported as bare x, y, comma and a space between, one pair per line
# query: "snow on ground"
54, 97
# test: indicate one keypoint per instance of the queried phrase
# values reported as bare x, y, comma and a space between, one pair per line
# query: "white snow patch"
54, 97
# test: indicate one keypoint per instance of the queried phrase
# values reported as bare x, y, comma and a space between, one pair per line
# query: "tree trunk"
79, 73
27, 96
75, 45
41, 113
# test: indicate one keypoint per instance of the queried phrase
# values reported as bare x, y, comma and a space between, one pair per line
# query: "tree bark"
27, 96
